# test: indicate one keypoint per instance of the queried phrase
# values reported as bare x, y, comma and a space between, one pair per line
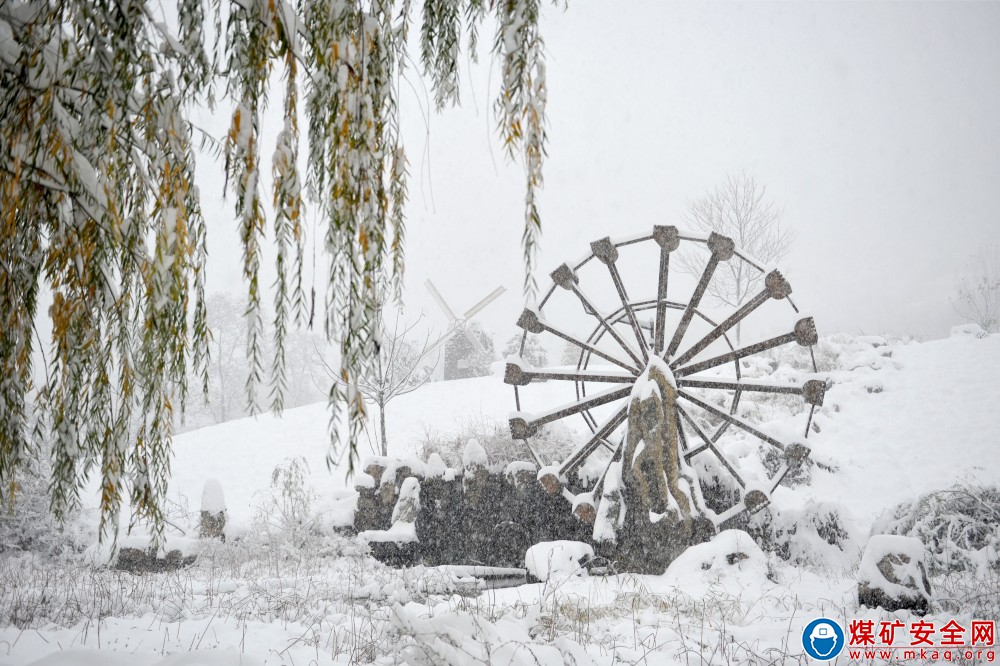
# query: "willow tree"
100, 212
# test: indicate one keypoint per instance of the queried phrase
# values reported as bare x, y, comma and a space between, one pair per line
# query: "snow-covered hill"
901, 419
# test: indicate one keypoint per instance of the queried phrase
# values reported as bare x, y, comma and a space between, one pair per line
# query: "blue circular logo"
823, 639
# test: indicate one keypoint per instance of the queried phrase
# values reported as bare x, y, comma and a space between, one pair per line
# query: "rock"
476, 473
371, 513
521, 474
213, 511
398, 545
408, 506
893, 574
731, 555
137, 560
551, 559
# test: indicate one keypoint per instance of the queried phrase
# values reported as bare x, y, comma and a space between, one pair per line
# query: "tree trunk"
381, 415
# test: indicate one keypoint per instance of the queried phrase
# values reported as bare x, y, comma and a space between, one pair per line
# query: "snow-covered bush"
814, 534
288, 508
960, 527
534, 352
27, 524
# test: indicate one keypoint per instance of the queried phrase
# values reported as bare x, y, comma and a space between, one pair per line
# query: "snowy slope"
242, 454
935, 421
931, 419
901, 419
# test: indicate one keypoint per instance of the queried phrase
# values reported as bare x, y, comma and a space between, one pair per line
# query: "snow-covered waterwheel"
615, 340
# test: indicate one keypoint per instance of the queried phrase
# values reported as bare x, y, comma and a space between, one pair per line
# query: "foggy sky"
875, 126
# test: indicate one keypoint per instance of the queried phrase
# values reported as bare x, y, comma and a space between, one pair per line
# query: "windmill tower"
457, 356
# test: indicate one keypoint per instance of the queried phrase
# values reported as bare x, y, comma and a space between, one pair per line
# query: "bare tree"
977, 296
740, 210
228, 365
399, 367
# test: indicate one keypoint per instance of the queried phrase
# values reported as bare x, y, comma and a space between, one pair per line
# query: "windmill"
458, 325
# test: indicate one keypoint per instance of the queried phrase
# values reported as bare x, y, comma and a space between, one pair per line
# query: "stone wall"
471, 516
491, 517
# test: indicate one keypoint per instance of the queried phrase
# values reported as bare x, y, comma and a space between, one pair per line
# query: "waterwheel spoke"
565, 277
533, 322
607, 254
583, 452
735, 420
616, 454
588, 305
722, 328
668, 240
722, 249
518, 374
804, 334
623, 295
522, 426
709, 444
745, 385
683, 438
734, 355
779, 476
661, 302
775, 286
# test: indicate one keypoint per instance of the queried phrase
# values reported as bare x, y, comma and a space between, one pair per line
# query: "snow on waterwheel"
619, 329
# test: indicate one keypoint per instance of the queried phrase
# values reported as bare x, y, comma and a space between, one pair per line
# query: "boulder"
557, 559
893, 574
398, 545
213, 511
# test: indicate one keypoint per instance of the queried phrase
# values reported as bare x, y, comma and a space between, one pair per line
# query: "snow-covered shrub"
552, 442
534, 351
960, 527
718, 487
27, 524
289, 506
813, 534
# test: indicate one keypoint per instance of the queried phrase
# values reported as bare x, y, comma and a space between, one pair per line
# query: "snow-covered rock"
969, 330
731, 556
474, 455
213, 511
408, 505
404, 517
521, 473
557, 559
435, 466
893, 574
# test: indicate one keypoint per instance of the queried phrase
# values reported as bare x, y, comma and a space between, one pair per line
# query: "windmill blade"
474, 339
440, 301
471, 312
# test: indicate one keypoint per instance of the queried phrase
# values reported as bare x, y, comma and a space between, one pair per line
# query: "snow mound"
212, 499
459, 638
907, 555
969, 330
474, 455
558, 559
731, 556
435, 467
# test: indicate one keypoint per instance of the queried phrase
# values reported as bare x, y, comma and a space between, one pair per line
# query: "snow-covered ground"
902, 419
